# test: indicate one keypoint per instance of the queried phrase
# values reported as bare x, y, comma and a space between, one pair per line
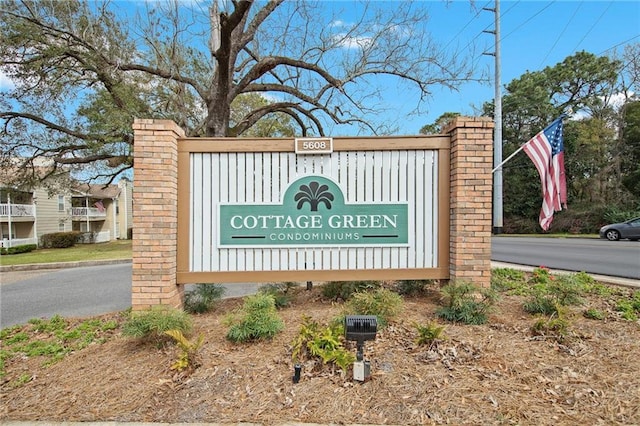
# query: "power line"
619, 44
560, 35
593, 26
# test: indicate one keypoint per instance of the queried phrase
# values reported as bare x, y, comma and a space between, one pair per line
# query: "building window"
84, 227
61, 204
61, 226
117, 206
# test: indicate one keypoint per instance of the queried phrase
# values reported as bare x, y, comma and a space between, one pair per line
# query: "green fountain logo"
314, 194
313, 212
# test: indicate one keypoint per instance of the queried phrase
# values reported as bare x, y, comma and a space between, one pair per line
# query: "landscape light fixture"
360, 328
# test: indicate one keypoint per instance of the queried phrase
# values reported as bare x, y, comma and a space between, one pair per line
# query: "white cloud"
338, 24
619, 99
348, 42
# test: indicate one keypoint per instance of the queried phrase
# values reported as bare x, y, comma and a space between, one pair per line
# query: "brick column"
470, 203
155, 219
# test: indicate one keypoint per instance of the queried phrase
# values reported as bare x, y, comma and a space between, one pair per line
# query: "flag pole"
508, 158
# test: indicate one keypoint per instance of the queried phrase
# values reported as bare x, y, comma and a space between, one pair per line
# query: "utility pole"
497, 131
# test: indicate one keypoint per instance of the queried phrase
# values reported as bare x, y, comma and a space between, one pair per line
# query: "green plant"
540, 275
629, 307
594, 314
466, 303
153, 322
24, 378
60, 239
567, 290
25, 248
51, 339
257, 320
325, 343
549, 292
556, 326
203, 298
281, 293
429, 334
336, 290
412, 287
540, 303
188, 350
383, 303
507, 279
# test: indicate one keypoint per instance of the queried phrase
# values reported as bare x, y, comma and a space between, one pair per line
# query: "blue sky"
535, 34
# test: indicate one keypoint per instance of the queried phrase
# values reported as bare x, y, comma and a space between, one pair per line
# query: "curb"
61, 265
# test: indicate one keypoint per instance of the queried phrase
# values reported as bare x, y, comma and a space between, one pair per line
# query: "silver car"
629, 229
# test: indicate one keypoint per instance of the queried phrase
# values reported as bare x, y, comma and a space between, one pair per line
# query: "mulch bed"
497, 373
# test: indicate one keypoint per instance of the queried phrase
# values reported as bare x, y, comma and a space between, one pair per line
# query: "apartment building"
102, 213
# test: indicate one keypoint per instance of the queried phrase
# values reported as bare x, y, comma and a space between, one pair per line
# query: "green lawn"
120, 249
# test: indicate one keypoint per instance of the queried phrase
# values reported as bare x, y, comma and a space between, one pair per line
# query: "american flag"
99, 206
546, 150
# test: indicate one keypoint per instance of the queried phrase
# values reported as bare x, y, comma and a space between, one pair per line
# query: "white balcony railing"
16, 210
90, 212
17, 242
95, 237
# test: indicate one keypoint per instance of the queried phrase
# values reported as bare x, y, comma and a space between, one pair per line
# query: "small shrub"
540, 304
594, 314
383, 303
258, 319
25, 248
466, 303
630, 308
507, 279
325, 343
281, 293
203, 298
412, 287
60, 239
336, 290
567, 290
429, 334
188, 350
541, 275
154, 322
556, 326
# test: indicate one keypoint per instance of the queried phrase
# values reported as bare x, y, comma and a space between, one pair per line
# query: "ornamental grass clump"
466, 303
203, 298
154, 322
385, 304
258, 319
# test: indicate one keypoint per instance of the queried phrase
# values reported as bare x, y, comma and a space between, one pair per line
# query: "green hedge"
25, 248
60, 239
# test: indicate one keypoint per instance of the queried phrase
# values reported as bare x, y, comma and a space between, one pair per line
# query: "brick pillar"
471, 195
155, 219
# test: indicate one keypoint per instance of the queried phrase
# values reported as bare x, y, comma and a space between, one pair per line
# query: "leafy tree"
630, 163
83, 70
436, 127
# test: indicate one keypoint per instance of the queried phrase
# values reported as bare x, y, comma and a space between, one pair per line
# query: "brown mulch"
497, 373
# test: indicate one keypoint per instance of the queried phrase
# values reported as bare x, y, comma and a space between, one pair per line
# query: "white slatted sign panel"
364, 177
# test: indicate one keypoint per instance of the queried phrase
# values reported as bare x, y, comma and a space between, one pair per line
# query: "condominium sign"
313, 213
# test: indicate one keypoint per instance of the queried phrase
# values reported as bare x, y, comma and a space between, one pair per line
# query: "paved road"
75, 292
595, 256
